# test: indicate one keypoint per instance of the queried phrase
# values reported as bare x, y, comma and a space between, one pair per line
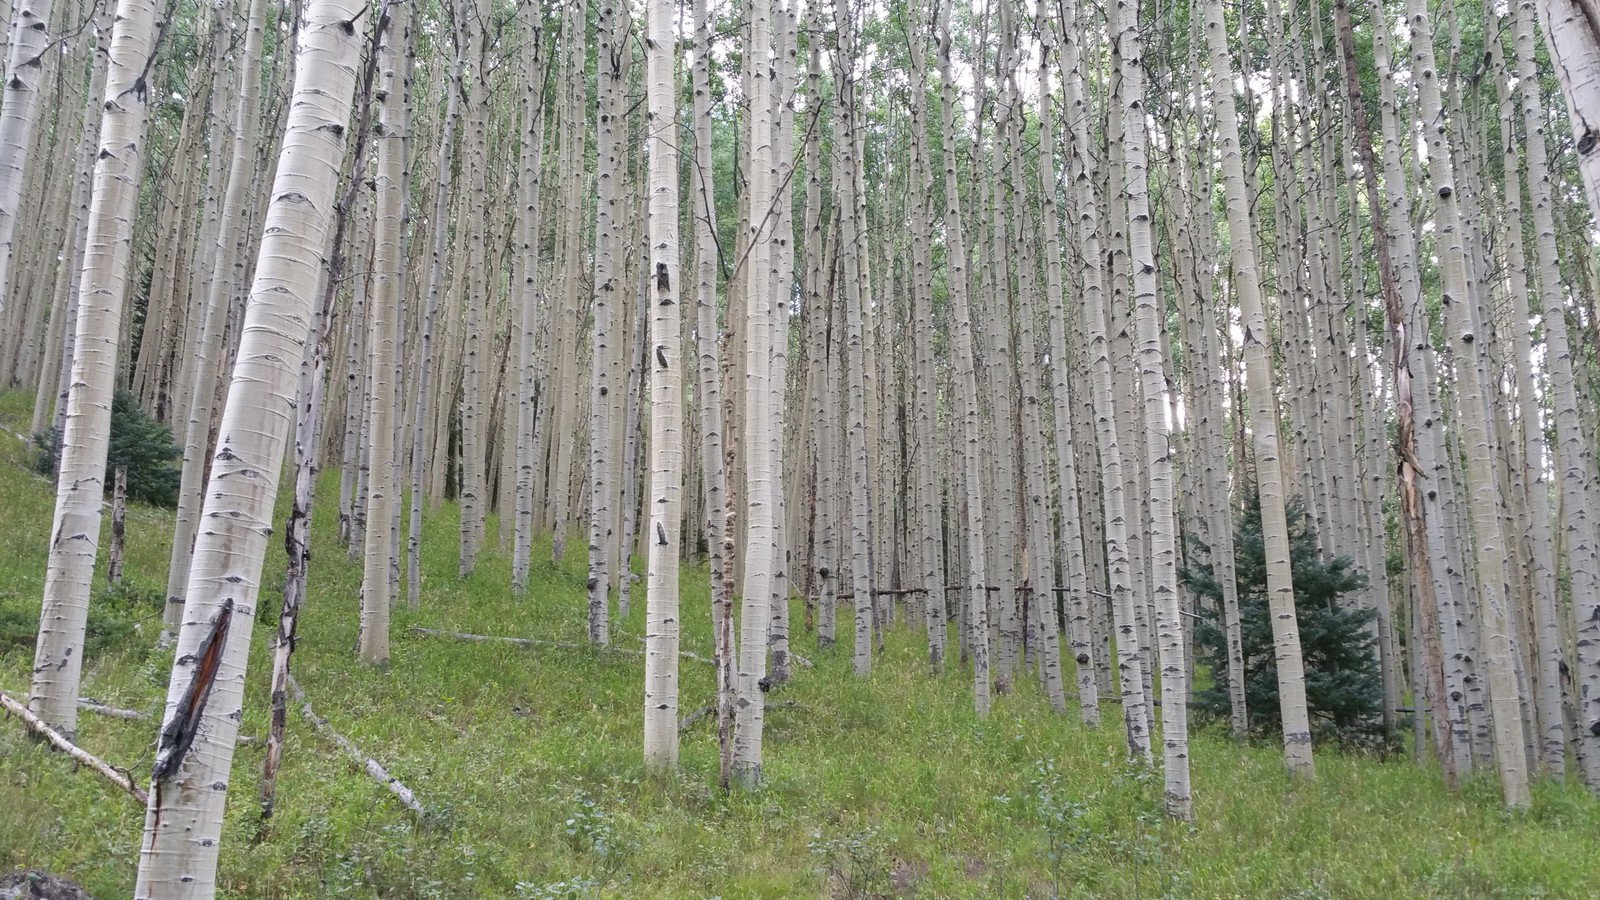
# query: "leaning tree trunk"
19, 114
75, 533
183, 821
229, 271
1572, 32
1416, 534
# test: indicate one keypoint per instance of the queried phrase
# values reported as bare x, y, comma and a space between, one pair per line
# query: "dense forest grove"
1217, 372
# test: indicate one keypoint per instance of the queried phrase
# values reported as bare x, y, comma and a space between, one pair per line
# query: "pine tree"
1344, 694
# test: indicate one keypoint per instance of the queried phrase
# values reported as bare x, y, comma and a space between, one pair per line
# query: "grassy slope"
529, 763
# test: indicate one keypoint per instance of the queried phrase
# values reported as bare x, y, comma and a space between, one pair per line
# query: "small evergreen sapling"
138, 442
1343, 690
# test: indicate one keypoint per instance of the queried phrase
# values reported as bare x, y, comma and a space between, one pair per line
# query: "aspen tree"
977, 624
612, 30
75, 532
851, 242
1159, 450
1039, 561
1544, 637
423, 397
710, 393
1457, 301
29, 43
1572, 33
529, 294
55, 376
761, 492
929, 502
666, 400
1389, 238
476, 332
229, 271
573, 147
781, 277
388, 298
1574, 454
1263, 416
1081, 172
183, 820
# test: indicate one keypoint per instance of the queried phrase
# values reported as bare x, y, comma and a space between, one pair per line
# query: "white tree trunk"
183, 822
80, 489
666, 396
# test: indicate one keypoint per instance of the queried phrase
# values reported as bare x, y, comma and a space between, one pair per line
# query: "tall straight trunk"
529, 293
389, 284
1071, 528
781, 278
610, 209
1095, 312
718, 536
57, 378
420, 406
1159, 449
183, 820
478, 334
568, 315
1395, 232
761, 490
930, 507
977, 624
1543, 639
29, 43
1263, 418
851, 243
1574, 453
80, 487
666, 396
1458, 301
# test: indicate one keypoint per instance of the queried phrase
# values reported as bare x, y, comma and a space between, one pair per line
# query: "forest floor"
528, 765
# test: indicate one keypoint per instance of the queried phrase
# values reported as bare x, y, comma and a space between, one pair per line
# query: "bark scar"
180, 730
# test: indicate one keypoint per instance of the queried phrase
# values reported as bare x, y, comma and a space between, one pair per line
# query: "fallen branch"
372, 767
541, 642
697, 715
99, 708
119, 777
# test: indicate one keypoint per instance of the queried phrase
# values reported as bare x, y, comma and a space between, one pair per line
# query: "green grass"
529, 763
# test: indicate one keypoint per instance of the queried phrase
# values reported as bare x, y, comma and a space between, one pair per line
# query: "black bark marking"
180, 731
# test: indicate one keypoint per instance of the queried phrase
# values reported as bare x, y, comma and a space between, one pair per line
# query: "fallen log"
372, 767
122, 778
542, 642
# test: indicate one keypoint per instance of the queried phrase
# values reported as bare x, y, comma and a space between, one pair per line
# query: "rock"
31, 885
